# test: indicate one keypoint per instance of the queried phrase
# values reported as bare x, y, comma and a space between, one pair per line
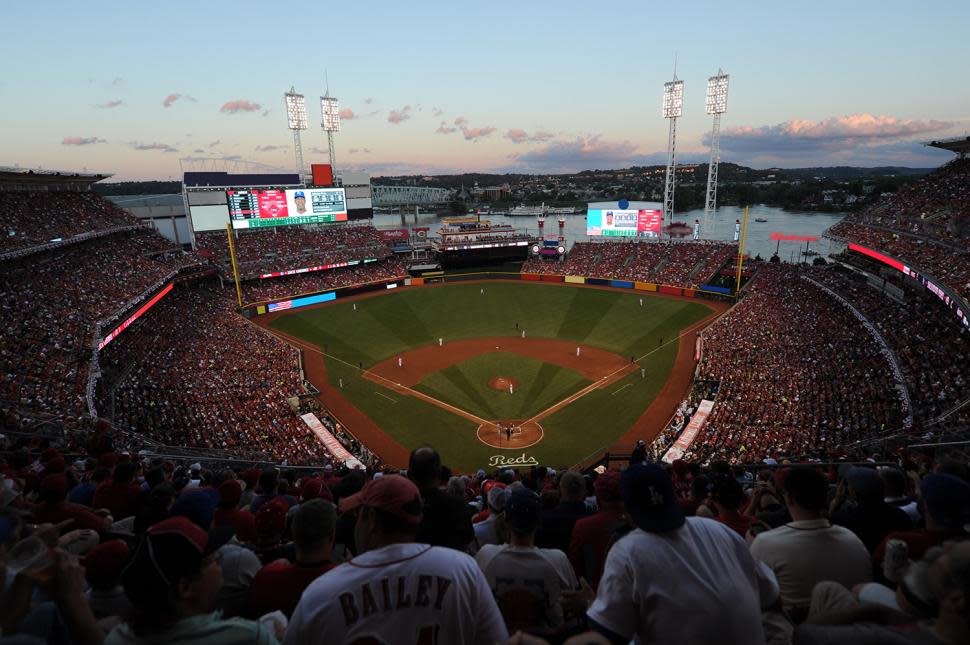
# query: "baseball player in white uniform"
397, 591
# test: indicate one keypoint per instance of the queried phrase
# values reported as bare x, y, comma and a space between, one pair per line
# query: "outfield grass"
383, 327
540, 385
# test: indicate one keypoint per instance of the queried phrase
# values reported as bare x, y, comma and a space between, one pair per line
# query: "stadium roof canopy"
47, 180
228, 180
959, 145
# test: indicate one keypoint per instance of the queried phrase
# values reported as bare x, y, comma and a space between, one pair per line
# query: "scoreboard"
260, 208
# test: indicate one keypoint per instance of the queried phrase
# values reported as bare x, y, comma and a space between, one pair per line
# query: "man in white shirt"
527, 581
396, 591
675, 579
809, 549
486, 531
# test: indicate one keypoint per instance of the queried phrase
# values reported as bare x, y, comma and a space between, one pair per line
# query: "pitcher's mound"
501, 383
497, 434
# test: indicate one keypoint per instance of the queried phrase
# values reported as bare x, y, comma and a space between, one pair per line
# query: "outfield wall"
302, 300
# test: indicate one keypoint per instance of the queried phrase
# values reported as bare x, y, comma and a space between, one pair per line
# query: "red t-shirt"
120, 499
591, 539
280, 584
741, 524
919, 541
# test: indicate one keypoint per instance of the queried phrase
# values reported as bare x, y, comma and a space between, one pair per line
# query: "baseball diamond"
483, 389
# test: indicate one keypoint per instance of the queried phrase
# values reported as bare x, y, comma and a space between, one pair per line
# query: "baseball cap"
198, 505
522, 510
230, 492
865, 483
104, 563
497, 497
171, 550
650, 500
607, 486
947, 499
271, 518
392, 494
299, 193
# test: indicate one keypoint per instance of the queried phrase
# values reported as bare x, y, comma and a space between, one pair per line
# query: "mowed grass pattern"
540, 385
383, 327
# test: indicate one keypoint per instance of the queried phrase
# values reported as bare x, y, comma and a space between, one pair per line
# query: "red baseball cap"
392, 494
607, 486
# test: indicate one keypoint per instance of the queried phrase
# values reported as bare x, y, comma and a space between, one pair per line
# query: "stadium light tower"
673, 107
330, 113
296, 121
716, 104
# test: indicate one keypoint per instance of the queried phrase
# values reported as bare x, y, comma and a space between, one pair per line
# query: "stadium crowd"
99, 545
34, 218
797, 373
926, 224
262, 290
279, 249
683, 264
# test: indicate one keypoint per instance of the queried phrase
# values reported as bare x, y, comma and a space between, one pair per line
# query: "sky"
145, 90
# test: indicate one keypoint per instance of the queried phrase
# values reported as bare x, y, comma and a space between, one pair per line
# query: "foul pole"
232, 257
744, 235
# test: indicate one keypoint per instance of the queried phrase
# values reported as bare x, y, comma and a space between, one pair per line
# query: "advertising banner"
329, 441
395, 234
690, 433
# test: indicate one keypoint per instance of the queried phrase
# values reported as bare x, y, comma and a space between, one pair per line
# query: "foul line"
602, 382
615, 392
386, 397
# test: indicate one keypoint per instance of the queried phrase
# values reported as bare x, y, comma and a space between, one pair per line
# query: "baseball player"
577, 351
396, 590
400, 362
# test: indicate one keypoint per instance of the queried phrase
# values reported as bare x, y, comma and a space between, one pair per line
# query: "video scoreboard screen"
270, 207
624, 223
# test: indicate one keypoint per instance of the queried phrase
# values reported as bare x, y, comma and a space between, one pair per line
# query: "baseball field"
494, 373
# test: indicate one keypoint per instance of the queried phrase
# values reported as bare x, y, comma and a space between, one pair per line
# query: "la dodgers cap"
392, 494
650, 500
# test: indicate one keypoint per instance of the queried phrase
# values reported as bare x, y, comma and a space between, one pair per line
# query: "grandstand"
131, 377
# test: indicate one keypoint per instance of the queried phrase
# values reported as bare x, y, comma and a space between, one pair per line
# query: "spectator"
103, 566
119, 494
727, 496
675, 579
863, 511
527, 581
397, 590
556, 527
809, 549
173, 581
54, 508
486, 531
446, 520
229, 514
592, 536
279, 585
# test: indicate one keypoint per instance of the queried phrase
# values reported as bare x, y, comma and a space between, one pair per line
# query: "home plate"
496, 347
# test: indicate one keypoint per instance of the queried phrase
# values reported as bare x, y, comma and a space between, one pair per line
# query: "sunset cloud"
472, 134
347, 114
397, 116
269, 148
111, 104
517, 135
239, 105
582, 153
164, 147
81, 141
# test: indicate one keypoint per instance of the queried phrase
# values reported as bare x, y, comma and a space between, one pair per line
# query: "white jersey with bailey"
401, 593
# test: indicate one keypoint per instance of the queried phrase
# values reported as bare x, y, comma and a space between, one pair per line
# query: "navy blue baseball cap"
522, 508
299, 193
650, 500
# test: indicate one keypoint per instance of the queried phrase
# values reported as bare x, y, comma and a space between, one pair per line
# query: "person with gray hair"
556, 527
945, 582
279, 585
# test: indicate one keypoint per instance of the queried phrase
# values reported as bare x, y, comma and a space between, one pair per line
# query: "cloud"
437, 111
461, 121
214, 143
170, 99
269, 148
198, 151
444, 129
240, 105
582, 153
81, 141
266, 112
473, 134
347, 114
397, 116
517, 135
369, 100
111, 104
355, 151
164, 147
842, 139
118, 81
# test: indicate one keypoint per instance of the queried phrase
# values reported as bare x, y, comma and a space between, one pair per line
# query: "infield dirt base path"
592, 363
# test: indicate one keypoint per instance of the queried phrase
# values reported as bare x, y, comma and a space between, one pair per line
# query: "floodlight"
295, 111
330, 109
717, 91
673, 99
